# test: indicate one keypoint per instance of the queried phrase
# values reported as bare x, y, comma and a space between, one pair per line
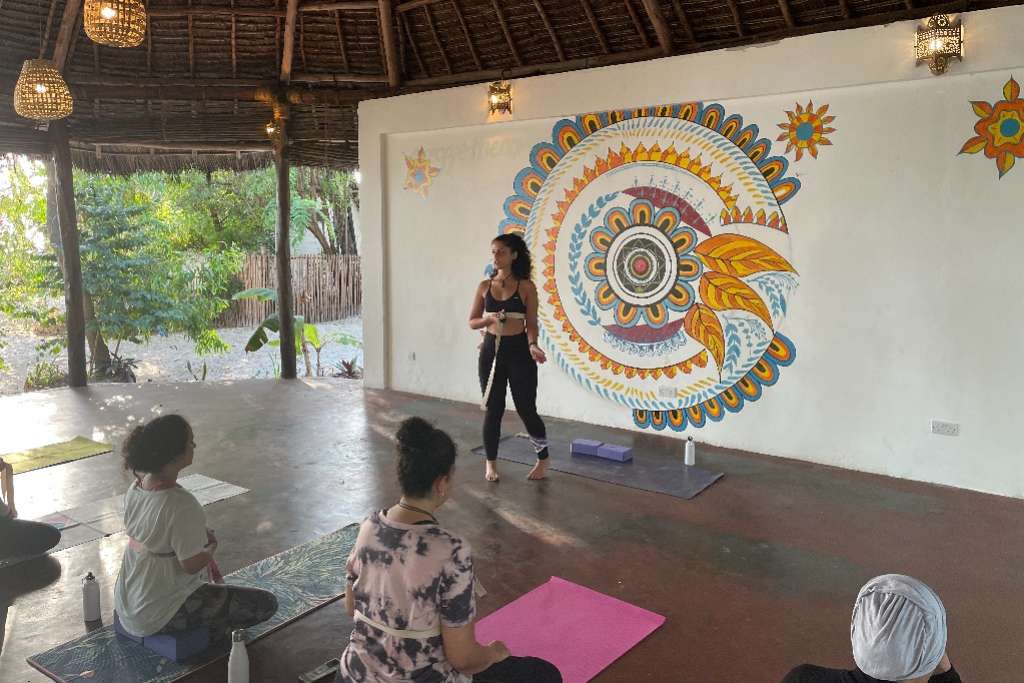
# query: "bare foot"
491, 473
539, 470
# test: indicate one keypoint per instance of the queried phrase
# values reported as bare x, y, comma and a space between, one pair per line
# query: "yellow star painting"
419, 173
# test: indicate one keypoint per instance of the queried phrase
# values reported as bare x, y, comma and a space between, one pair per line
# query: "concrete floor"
755, 575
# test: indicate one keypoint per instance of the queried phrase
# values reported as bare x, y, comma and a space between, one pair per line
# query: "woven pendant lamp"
118, 23
41, 92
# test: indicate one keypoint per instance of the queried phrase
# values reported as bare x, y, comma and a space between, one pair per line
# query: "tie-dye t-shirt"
408, 577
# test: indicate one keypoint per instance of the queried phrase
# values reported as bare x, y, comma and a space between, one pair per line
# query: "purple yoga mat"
578, 630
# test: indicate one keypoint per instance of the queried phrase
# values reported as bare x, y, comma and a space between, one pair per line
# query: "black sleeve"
951, 676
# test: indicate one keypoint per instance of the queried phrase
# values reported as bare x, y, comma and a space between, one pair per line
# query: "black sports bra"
513, 304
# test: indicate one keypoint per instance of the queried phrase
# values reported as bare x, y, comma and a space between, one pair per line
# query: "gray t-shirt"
152, 585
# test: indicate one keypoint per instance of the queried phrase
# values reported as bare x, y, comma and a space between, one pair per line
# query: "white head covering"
898, 628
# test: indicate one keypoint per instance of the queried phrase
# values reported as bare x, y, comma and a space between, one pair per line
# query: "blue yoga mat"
303, 578
648, 471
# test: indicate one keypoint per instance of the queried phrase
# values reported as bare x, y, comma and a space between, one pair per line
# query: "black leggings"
22, 538
520, 670
517, 368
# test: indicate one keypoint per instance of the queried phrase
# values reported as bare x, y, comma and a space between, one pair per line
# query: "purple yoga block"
613, 452
585, 447
178, 647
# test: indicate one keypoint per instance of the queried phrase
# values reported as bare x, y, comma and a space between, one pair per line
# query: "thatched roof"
198, 91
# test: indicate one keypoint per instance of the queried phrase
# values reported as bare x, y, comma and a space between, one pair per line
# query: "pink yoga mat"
578, 630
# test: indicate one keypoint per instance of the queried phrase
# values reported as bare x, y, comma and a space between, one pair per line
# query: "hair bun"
414, 432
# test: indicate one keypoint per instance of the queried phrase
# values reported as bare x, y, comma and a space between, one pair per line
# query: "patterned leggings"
222, 608
520, 670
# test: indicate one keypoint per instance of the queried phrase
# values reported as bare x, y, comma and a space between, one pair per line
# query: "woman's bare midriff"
513, 326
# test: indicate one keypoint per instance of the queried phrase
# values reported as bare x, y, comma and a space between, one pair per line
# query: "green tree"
141, 279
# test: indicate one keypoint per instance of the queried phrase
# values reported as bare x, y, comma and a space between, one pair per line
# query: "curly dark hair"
522, 266
152, 445
424, 454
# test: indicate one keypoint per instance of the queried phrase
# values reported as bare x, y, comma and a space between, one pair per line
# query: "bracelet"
534, 344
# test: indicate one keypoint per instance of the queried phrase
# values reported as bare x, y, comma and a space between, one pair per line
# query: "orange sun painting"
806, 129
1000, 129
419, 173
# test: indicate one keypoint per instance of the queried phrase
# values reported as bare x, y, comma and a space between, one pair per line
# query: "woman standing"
163, 584
506, 307
410, 585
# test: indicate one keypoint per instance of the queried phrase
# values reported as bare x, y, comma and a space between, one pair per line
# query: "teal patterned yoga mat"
303, 578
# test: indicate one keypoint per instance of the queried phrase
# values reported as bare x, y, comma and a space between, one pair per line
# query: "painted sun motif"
419, 173
1000, 129
806, 129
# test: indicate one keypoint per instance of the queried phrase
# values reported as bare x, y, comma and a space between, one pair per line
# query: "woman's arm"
466, 655
350, 601
477, 318
7, 487
198, 563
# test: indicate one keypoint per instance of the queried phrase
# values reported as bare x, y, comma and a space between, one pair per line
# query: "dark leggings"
517, 368
21, 538
222, 608
520, 670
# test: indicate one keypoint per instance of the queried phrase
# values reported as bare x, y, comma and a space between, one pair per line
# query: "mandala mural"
806, 129
665, 258
419, 173
1000, 129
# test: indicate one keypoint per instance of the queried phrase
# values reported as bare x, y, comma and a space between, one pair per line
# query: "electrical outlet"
944, 428
412, 355
667, 392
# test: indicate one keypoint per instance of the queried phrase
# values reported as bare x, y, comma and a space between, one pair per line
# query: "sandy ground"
164, 359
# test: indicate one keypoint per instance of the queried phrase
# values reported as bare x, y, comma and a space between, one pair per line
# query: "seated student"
163, 584
18, 537
410, 585
898, 634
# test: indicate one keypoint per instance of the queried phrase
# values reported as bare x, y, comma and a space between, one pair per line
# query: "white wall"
908, 308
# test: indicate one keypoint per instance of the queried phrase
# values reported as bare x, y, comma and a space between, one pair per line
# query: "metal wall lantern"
118, 23
41, 92
938, 42
499, 97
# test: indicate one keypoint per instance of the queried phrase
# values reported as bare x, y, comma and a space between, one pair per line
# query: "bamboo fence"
326, 287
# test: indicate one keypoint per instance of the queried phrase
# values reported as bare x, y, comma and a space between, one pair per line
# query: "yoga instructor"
505, 305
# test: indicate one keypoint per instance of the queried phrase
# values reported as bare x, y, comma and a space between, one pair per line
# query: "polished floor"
755, 575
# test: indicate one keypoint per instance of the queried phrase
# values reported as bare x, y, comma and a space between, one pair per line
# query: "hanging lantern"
41, 92
941, 41
118, 23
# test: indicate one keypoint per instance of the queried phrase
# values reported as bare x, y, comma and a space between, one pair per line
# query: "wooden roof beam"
437, 40
341, 41
339, 6
68, 29
551, 30
661, 28
685, 22
387, 33
465, 32
735, 9
288, 51
508, 36
787, 13
635, 18
592, 18
162, 12
537, 69
844, 8
412, 44
305, 77
413, 4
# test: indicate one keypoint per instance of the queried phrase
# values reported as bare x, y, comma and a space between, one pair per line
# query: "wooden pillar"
285, 314
73, 300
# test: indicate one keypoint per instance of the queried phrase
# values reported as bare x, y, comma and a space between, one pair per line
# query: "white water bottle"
90, 598
238, 660
690, 452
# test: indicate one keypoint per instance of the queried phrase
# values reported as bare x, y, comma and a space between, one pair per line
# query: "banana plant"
271, 323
